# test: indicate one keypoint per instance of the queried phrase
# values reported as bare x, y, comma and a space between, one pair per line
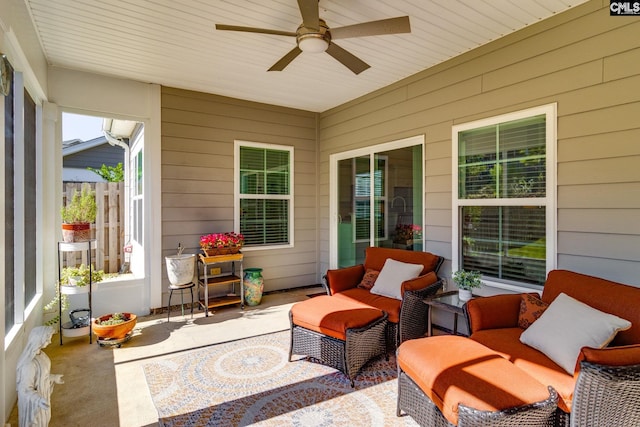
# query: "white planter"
180, 268
464, 294
73, 290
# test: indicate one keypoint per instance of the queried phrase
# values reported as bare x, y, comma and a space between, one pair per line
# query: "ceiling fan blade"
254, 30
373, 28
285, 60
347, 59
310, 14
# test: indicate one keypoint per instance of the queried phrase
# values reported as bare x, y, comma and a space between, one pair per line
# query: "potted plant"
78, 214
406, 233
466, 282
221, 243
115, 326
73, 280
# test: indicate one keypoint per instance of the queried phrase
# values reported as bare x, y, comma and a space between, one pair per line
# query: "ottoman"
339, 333
450, 380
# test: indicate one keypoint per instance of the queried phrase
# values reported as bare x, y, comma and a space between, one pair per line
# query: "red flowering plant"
221, 240
405, 232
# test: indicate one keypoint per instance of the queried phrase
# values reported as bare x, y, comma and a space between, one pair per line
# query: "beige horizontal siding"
606, 221
585, 61
198, 134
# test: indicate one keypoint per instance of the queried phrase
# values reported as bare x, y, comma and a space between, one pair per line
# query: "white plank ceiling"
174, 42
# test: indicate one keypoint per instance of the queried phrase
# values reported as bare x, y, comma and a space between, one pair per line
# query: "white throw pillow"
566, 326
392, 275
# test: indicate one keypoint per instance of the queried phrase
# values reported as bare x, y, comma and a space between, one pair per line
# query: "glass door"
377, 200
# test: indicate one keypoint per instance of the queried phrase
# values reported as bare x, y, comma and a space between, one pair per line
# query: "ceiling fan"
314, 35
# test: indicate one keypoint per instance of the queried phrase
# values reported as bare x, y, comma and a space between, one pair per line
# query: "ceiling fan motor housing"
313, 40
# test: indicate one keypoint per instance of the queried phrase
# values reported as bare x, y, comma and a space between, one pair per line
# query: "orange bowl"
114, 332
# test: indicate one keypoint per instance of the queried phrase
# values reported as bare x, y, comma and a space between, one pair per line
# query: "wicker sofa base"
413, 401
349, 356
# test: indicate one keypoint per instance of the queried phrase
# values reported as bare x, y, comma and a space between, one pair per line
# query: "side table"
447, 301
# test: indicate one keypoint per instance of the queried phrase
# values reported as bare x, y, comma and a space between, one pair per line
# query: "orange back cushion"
375, 258
601, 294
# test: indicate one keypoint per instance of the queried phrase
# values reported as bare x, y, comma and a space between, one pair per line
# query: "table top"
447, 301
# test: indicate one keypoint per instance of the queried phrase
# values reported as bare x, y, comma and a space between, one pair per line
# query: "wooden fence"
108, 229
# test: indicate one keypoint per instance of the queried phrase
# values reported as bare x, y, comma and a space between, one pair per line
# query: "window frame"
26, 281
549, 201
238, 144
136, 165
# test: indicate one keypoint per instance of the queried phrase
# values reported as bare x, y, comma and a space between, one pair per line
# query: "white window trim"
236, 192
550, 110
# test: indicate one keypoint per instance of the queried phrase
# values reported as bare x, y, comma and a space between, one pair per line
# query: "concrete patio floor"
106, 386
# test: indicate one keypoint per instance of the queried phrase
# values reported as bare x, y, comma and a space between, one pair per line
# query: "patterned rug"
251, 382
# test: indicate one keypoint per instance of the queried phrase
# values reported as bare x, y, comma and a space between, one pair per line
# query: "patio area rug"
251, 382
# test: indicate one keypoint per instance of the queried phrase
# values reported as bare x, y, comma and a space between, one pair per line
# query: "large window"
504, 181
21, 125
29, 183
264, 194
9, 227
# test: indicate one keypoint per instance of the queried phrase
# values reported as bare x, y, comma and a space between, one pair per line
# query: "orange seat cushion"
453, 370
358, 295
507, 343
333, 316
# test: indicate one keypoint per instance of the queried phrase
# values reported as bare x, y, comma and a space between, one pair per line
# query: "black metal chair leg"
191, 289
169, 304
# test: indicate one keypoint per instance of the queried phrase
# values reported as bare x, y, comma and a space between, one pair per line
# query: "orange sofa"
585, 396
406, 317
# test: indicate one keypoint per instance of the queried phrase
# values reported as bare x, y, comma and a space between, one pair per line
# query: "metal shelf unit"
207, 279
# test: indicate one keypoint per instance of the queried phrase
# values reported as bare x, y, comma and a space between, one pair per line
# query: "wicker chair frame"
348, 356
413, 315
413, 401
606, 396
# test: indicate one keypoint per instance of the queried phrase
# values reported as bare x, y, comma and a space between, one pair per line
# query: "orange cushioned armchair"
605, 387
407, 317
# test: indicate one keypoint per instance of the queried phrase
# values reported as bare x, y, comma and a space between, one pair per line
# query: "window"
504, 209
29, 182
362, 198
9, 202
264, 194
376, 198
137, 197
21, 134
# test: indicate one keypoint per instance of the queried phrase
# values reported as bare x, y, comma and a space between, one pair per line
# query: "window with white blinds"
362, 198
503, 207
264, 196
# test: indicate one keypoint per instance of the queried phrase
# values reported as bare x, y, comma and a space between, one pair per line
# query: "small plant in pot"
466, 281
73, 280
115, 326
78, 214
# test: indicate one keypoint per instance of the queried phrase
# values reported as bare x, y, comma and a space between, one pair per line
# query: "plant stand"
114, 342
73, 247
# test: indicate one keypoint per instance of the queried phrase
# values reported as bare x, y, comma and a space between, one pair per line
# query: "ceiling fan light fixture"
313, 43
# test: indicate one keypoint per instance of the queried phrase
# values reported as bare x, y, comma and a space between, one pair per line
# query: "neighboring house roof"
77, 145
78, 155
80, 175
